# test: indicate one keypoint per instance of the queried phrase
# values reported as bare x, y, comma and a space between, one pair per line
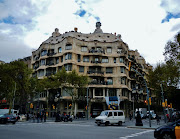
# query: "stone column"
104, 92
75, 108
93, 92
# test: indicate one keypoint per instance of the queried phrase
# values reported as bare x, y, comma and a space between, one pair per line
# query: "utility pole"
162, 95
87, 101
148, 102
133, 108
14, 95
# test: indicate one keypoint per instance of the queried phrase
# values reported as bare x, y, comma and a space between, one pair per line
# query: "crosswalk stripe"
136, 134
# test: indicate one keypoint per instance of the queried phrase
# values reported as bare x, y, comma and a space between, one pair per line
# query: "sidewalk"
131, 124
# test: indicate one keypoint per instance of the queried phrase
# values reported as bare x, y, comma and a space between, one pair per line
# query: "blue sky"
170, 16
145, 25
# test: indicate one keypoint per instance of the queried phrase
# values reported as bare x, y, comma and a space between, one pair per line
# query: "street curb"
138, 127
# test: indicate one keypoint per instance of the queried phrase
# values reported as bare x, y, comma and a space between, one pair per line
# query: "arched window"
60, 50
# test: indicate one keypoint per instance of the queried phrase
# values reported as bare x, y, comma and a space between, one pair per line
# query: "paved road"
79, 129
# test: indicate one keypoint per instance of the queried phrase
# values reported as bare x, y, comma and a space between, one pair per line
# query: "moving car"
8, 119
170, 131
110, 117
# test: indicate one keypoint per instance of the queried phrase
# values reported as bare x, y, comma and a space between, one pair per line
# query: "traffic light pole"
87, 101
162, 95
147, 93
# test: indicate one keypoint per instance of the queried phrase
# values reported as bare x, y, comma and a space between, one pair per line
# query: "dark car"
8, 119
167, 131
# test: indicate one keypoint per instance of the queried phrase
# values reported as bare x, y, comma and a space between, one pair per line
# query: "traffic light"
31, 105
150, 101
53, 106
163, 104
166, 102
129, 66
86, 107
170, 105
146, 102
70, 105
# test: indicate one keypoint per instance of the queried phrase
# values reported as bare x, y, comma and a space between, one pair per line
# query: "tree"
15, 80
69, 82
172, 50
167, 73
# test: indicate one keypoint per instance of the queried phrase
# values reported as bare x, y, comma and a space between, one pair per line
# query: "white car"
153, 115
110, 117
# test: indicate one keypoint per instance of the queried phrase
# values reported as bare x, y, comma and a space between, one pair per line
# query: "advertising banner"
113, 102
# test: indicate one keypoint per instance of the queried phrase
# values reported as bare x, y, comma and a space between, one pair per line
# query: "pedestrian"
38, 116
41, 117
27, 116
72, 116
158, 119
18, 116
34, 117
130, 116
168, 118
44, 116
138, 120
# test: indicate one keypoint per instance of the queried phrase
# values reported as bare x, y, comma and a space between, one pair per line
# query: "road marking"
136, 134
76, 125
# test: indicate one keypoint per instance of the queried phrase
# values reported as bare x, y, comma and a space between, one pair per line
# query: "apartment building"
104, 57
2, 62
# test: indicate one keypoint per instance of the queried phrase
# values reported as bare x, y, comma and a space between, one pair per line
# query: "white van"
110, 117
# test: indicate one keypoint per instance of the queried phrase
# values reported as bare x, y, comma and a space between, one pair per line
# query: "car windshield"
104, 113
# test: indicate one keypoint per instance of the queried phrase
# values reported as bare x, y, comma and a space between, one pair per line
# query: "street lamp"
87, 101
162, 95
133, 107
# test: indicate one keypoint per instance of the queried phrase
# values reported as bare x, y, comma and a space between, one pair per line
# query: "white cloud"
171, 6
139, 22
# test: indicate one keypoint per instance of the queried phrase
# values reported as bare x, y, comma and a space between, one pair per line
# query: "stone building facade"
104, 57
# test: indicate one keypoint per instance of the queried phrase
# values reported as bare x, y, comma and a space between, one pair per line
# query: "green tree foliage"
68, 81
15, 79
168, 73
172, 50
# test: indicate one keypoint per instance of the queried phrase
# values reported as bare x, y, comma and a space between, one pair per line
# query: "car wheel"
4, 122
98, 124
106, 123
167, 136
13, 122
120, 123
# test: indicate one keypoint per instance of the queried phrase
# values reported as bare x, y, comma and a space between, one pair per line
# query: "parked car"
153, 115
110, 117
170, 131
8, 119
